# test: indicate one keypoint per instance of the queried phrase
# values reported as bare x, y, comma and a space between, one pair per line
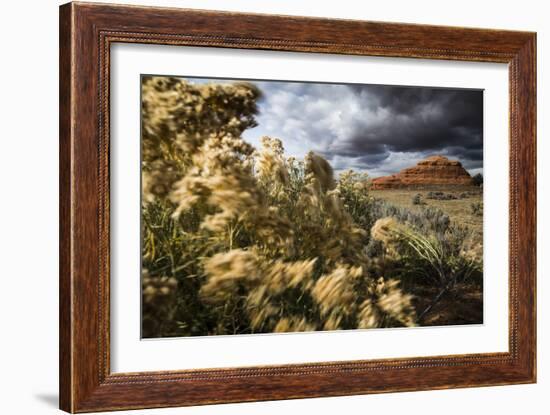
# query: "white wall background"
28, 208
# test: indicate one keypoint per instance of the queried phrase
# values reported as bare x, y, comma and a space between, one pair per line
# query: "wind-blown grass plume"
353, 190
271, 168
336, 296
261, 284
256, 242
178, 117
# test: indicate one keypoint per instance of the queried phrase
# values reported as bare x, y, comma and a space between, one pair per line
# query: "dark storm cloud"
416, 120
375, 127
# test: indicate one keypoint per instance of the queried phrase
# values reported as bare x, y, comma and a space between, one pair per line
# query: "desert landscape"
441, 184
366, 214
438, 182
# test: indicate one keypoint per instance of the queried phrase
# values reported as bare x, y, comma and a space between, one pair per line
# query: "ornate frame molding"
86, 34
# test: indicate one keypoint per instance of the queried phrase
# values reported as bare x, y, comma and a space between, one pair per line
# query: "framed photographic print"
260, 207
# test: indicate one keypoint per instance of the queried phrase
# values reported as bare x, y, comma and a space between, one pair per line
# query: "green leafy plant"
417, 199
477, 208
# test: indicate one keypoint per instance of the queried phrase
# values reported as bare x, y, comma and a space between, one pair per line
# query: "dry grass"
459, 210
238, 239
464, 303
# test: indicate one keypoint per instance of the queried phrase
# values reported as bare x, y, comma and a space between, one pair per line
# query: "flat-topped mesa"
433, 171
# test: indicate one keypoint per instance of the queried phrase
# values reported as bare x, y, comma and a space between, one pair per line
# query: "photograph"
271, 206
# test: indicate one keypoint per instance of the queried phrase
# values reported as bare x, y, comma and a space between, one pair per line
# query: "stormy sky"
375, 128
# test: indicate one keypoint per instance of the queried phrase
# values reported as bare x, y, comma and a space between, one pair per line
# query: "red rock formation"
435, 170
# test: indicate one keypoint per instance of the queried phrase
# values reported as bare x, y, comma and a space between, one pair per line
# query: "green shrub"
429, 220
477, 208
444, 259
441, 196
417, 199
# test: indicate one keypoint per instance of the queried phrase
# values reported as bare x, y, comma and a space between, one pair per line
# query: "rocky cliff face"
435, 170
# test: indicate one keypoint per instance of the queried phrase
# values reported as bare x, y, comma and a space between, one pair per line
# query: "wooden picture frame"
86, 33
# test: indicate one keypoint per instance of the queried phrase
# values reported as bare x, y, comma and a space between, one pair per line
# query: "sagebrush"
243, 240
